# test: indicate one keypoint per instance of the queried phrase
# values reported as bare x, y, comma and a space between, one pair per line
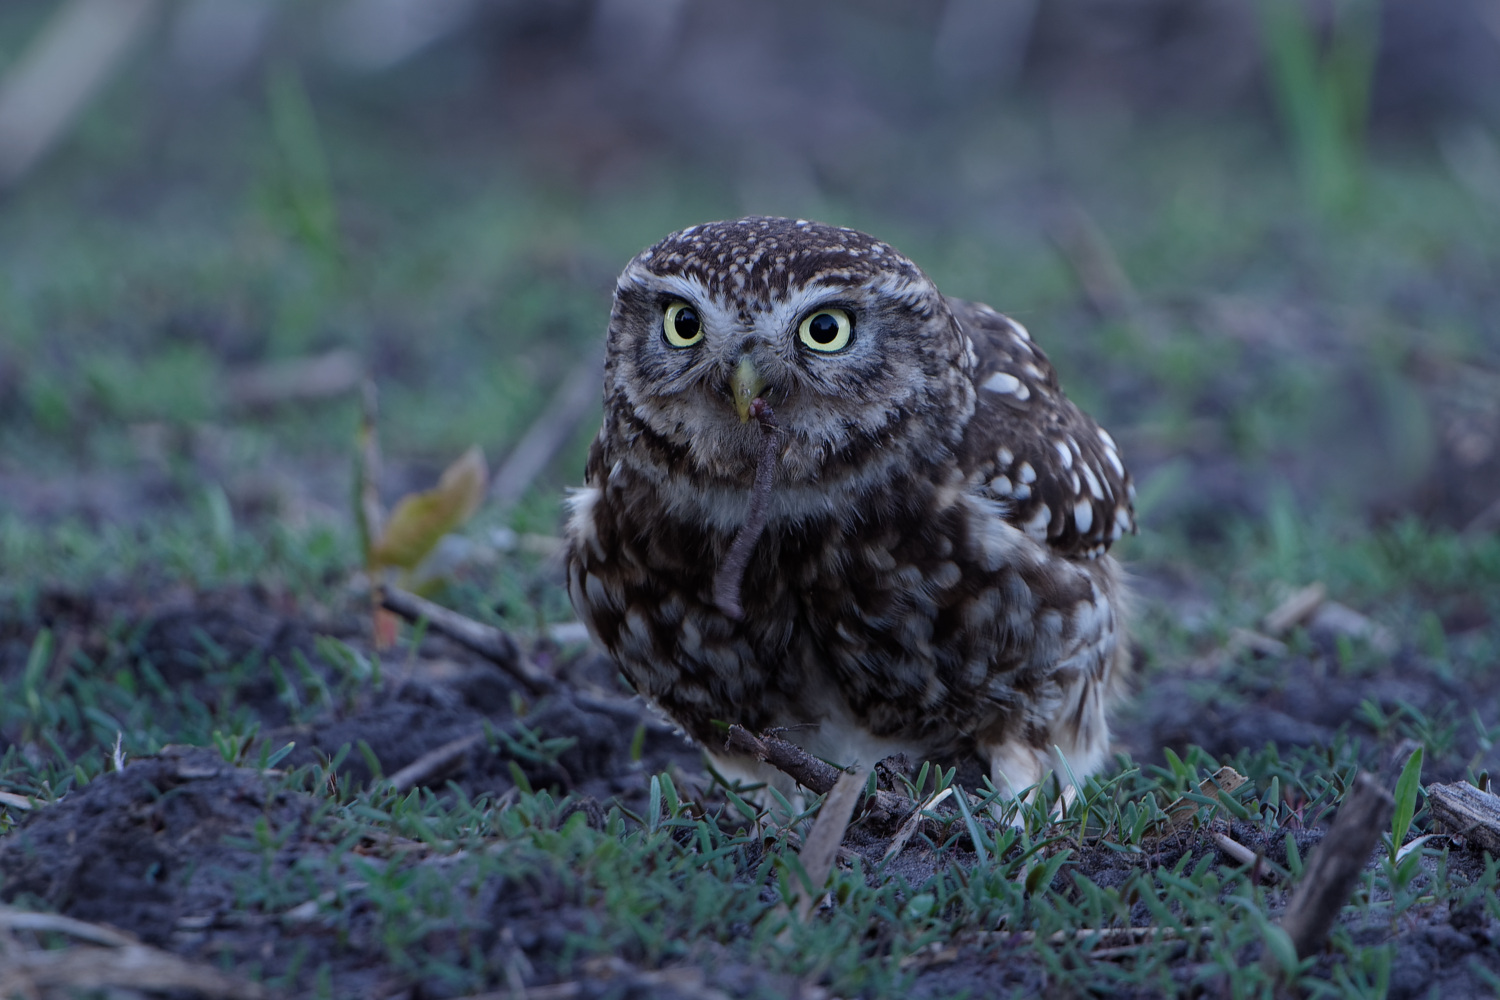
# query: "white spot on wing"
1036, 527
1064, 453
1006, 457
1001, 485
1092, 480
1083, 516
1026, 473
1114, 462
1002, 382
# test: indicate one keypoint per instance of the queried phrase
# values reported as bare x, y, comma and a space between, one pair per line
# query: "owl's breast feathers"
958, 600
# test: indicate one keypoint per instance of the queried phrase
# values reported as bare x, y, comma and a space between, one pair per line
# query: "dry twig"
13, 801
435, 763
909, 828
12, 919
1335, 867
808, 771
1112, 942
547, 435
821, 848
322, 376
122, 964
77, 51
815, 775
1104, 283
1236, 850
132, 967
1297, 608
492, 643
1467, 812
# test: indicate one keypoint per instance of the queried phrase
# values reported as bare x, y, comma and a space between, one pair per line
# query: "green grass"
685, 881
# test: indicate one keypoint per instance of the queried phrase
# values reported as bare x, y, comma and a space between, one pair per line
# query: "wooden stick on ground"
1111, 942
1467, 812
909, 828
123, 963
549, 433
808, 771
80, 47
811, 773
435, 763
821, 848
492, 643
12, 919
308, 379
134, 967
1336, 865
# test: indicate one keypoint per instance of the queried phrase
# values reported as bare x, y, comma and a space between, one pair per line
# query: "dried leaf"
1224, 781
419, 520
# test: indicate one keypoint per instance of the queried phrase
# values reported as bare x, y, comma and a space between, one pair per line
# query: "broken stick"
492, 643
815, 775
1467, 812
1335, 867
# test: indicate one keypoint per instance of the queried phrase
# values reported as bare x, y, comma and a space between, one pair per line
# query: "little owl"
829, 498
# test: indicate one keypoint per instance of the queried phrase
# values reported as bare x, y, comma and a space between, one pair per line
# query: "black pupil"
686, 324
824, 328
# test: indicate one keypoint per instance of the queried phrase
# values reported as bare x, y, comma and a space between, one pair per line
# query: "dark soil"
179, 848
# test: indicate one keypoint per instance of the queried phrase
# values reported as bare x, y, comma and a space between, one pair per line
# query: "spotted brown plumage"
933, 576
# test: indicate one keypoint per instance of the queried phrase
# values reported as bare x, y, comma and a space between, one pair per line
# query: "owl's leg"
1078, 743
1080, 733
1016, 767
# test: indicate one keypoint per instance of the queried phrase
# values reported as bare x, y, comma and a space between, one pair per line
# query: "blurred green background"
1259, 240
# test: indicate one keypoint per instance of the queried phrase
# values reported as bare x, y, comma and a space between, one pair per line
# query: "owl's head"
848, 340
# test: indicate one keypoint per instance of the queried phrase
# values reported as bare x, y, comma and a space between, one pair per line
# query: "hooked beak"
747, 384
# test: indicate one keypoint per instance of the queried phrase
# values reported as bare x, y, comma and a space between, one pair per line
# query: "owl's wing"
1058, 474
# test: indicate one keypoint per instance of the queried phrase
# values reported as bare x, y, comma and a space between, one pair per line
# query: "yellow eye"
682, 325
826, 330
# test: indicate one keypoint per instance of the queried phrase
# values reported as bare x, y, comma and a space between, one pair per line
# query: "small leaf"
1416, 845
1406, 799
653, 811
421, 519
1279, 943
976, 833
280, 755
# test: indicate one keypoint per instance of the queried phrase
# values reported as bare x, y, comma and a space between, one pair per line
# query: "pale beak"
748, 384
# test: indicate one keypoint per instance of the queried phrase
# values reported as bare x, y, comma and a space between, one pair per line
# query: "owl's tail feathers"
731, 575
